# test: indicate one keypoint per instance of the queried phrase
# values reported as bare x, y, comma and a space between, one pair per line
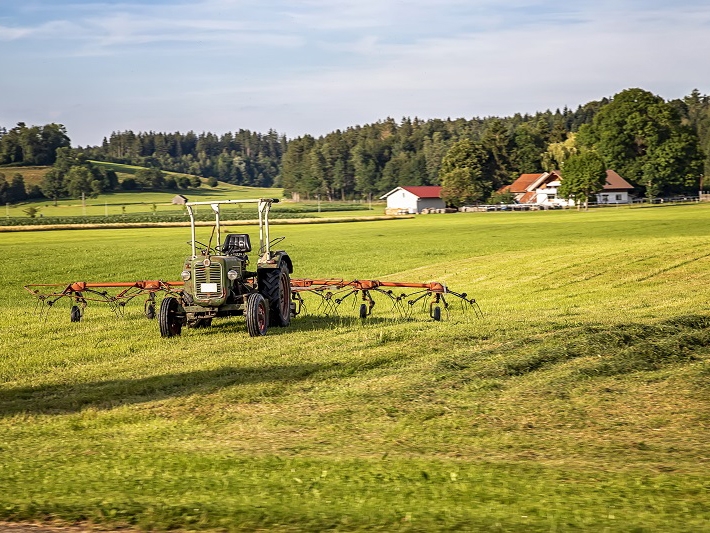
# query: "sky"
314, 66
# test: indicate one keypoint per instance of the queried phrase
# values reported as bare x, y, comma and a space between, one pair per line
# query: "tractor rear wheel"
169, 318
257, 315
275, 286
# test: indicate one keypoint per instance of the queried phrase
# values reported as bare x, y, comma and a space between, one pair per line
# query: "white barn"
414, 199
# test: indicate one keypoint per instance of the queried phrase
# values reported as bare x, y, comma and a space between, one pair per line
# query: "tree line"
653, 144
242, 158
32, 145
661, 147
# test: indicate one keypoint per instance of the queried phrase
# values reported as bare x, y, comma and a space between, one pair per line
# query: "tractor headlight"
232, 274
185, 275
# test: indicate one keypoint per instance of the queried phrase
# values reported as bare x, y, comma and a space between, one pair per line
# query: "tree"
4, 186
17, 189
584, 174
643, 138
31, 211
558, 153
212, 182
53, 185
78, 181
461, 174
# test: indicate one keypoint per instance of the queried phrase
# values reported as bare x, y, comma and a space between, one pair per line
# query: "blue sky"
317, 65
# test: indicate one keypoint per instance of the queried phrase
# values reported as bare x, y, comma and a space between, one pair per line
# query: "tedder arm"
332, 292
403, 295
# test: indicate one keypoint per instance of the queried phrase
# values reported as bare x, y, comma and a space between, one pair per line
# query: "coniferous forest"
661, 147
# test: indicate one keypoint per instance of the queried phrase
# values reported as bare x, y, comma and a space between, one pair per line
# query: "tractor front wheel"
169, 317
256, 315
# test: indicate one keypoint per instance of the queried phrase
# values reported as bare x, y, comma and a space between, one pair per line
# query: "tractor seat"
236, 244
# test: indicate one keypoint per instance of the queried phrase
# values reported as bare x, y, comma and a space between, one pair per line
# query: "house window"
618, 197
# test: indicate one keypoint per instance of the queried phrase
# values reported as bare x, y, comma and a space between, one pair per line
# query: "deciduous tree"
584, 174
461, 174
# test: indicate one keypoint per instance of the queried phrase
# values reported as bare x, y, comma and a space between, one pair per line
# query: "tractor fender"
286, 259
279, 258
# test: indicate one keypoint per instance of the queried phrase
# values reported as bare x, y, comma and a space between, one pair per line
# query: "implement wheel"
169, 317
256, 315
275, 286
75, 313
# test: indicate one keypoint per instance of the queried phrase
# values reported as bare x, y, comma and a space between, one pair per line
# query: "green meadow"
580, 401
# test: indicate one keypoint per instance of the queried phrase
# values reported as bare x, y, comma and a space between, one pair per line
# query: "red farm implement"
216, 281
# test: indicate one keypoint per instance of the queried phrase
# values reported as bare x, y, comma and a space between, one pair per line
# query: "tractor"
218, 281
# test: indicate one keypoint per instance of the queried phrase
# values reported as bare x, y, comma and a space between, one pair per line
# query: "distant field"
580, 401
31, 175
117, 203
133, 202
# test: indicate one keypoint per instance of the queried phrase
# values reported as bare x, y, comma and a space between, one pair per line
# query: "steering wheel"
204, 248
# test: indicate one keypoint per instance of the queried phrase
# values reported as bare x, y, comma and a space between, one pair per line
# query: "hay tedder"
217, 282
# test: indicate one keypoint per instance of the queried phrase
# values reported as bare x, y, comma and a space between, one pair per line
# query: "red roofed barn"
414, 199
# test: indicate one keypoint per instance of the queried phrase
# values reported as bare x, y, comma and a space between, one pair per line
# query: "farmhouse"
542, 189
413, 199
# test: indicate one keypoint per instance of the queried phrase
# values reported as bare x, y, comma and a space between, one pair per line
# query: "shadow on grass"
103, 395
237, 325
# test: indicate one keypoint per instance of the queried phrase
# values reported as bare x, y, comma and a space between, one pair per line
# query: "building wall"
430, 203
613, 197
405, 200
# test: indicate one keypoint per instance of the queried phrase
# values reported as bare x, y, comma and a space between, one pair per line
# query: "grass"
578, 402
31, 175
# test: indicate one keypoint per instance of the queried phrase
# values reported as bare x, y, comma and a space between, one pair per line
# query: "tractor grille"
204, 275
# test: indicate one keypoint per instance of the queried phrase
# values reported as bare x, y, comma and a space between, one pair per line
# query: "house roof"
615, 182
422, 191
529, 182
522, 183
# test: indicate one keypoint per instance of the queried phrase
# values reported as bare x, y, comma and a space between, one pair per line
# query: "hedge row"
138, 217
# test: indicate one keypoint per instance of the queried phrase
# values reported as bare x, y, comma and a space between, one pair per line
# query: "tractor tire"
363, 310
75, 313
257, 315
275, 286
169, 319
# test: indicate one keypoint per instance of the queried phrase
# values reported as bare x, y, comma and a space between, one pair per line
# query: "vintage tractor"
218, 282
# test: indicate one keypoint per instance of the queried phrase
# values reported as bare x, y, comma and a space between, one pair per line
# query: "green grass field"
580, 401
135, 202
